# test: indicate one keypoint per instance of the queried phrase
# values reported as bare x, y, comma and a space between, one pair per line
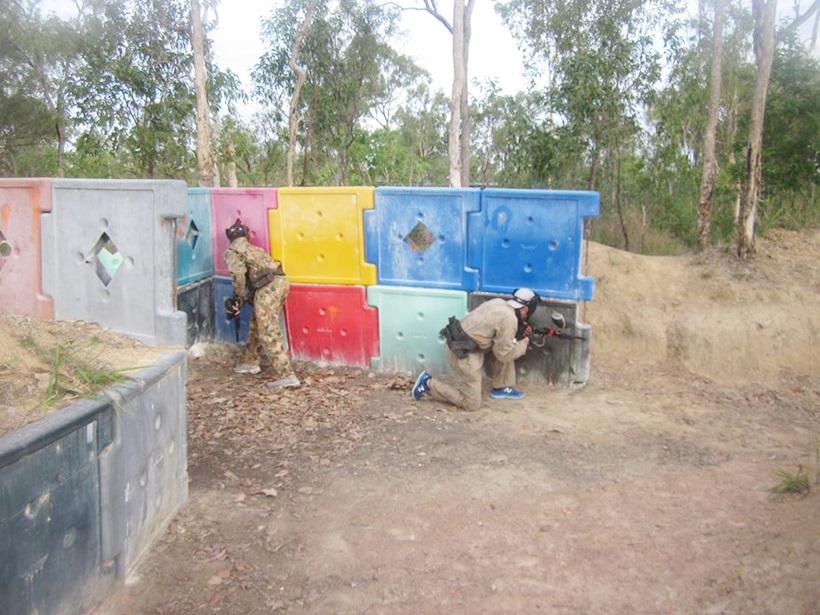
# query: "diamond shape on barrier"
192, 236
420, 238
104, 259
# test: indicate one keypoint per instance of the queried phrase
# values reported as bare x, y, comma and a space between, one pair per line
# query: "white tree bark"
764, 43
707, 185
301, 76
454, 142
205, 162
466, 120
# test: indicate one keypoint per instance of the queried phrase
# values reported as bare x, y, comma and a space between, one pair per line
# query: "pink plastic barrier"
21, 203
250, 205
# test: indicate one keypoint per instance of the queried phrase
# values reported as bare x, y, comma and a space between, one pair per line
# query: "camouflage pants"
265, 337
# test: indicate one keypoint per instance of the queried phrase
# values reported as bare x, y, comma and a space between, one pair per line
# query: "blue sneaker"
506, 393
420, 387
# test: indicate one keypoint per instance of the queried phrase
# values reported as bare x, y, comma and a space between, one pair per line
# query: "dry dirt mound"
717, 316
44, 365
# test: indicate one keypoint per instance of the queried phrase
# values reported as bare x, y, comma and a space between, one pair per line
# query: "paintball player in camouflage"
259, 280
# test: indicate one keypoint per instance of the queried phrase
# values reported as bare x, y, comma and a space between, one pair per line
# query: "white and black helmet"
524, 297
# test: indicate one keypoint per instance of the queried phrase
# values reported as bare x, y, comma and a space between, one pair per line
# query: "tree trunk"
707, 184
454, 142
466, 120
458, 145
205, 162
750, 193
616, 197
61, 141
301, 75
230, 167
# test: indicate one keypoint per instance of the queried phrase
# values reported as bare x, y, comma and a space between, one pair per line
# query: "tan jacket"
493, 324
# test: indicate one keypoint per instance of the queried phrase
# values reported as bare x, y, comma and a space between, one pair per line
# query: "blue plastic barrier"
195, 250
418, 237
224, 329
533, 238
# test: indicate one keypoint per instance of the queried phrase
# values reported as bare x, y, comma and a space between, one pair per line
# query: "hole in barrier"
192, 235
420, 238
104, 259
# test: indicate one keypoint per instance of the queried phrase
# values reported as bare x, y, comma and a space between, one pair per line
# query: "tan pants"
465, 392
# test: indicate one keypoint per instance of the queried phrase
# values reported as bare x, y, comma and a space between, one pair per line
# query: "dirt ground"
646, 491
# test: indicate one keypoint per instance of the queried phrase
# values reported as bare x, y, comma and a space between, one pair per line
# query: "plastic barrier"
225, 329
87, 490
533, 238
558, 361
331, 324
108, 255
197, 301
195, 251
251, 206
418, 237
21, 203
409, 323
317, 234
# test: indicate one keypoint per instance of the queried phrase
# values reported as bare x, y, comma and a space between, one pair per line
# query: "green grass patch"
792, 483
74, 370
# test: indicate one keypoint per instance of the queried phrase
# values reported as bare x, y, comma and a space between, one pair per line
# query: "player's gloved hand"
232, 307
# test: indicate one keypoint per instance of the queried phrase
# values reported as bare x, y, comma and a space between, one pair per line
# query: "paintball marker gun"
561, 329
233, 306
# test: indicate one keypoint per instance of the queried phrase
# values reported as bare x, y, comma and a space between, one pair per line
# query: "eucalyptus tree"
26, 123
411, 149
602, 64
257, 149
790, 141
39, 56
301, 76
765, 13
205, 162
135, 86
675, 147
346, 57
791, 134
707, 186
502, 127
459, 135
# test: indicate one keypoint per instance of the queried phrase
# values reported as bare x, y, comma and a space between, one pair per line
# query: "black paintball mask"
237, 230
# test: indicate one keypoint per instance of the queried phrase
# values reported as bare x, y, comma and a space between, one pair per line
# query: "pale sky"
493, 53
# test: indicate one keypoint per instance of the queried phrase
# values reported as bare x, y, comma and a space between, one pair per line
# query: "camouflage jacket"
243, 258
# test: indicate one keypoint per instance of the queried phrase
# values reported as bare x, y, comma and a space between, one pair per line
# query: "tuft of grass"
73, 371
792, 483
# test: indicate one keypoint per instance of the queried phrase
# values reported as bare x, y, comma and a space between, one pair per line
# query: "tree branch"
799, 20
